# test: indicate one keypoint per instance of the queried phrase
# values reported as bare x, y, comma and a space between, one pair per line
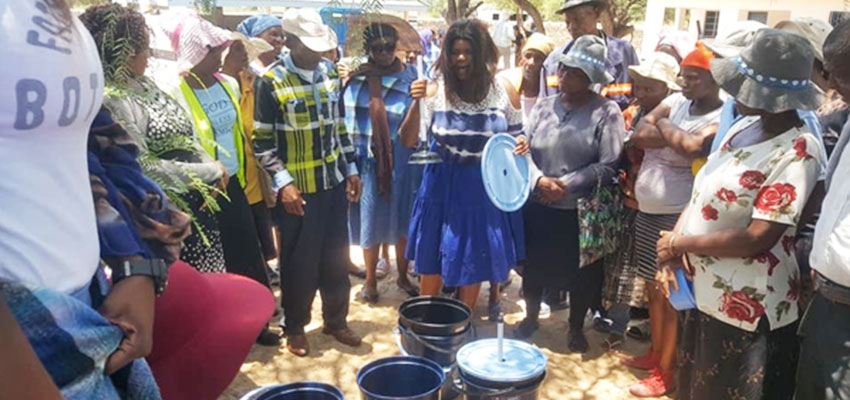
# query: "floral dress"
731, 346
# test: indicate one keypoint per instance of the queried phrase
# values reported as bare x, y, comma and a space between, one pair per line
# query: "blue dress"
456, 231
381, 219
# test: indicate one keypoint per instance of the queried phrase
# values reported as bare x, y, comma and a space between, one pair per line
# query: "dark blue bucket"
401, 378
296, 391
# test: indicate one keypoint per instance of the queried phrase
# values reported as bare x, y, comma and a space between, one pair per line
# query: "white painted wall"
731, 11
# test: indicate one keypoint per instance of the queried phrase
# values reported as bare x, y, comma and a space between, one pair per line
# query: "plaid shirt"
299, 134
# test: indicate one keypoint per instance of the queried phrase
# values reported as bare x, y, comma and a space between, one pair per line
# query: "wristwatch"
155, 268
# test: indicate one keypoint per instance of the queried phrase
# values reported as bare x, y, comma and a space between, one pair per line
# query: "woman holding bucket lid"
457, 236
737, 231
576, 139
377, 101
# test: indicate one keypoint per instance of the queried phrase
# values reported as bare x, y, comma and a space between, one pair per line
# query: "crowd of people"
141, 241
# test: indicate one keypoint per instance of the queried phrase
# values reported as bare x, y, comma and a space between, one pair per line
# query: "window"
837, 17
669, 16
684, 19
495, 17
760, 16
710, 28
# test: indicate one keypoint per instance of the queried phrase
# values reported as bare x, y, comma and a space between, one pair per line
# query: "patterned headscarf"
257, 24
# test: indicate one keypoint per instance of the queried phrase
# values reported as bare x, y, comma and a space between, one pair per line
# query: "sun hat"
658, 66
700, 58
588, 54
408, 38
192, 36
812, 29
257, 24
204, 327
731, 41
682, 42
539, 42
307, 26
568, 4
771, 74
253, 46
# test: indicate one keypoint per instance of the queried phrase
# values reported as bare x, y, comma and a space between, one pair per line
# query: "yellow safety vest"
205, 130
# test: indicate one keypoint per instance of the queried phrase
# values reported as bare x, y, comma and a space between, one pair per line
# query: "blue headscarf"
426, 36
257, 24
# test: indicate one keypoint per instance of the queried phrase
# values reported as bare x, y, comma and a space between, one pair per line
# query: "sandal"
612, 341
408, 288
639, 330
382, 269
369, 296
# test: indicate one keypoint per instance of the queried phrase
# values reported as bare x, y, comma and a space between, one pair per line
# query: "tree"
618, 18
531, 7
460, 9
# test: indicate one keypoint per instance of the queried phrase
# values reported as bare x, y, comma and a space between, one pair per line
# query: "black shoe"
576, 341
556, 299
526, 328
449, 289
268, 338
274, 277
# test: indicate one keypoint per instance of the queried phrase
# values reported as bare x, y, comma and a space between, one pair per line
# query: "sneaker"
576, 341
545, 310
645, 362
557, 299
658, 384
382, 269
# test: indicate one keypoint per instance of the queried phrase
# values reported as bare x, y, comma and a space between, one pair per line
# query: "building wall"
730, 12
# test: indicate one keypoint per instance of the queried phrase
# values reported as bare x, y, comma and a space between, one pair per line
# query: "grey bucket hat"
730, 42
568, 4
771, 74
588, 54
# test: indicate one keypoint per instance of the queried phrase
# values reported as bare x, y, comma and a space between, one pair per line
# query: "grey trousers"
823, 371
314, 256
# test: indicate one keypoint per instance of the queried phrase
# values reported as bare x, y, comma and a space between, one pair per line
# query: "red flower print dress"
769, 181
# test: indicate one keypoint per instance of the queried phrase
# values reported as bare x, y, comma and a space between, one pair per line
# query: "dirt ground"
594, 375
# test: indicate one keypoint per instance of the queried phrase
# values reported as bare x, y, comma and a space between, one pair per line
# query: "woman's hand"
665, 247
130, 306
418, 89
522, 147
550, 190
665, 276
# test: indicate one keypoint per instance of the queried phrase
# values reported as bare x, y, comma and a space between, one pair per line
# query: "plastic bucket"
474, 389
449, 390
434, 316
401, 378
683, 299
440, 349
492, 369
296, 391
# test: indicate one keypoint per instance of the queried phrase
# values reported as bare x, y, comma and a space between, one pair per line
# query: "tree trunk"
607, 21
526, 6
451, 12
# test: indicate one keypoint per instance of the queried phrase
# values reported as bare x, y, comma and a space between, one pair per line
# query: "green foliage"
88, 3
206, 6
116, 72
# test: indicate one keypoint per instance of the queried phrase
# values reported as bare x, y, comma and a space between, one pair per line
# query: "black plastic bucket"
434, 316
476, 389
296, 391
401, 378
440, 349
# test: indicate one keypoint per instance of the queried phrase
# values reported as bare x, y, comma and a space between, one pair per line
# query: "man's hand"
418, 89
353, 188
291, 199
130, 305
550, 190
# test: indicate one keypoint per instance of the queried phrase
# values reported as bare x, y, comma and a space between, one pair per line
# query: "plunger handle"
500, 335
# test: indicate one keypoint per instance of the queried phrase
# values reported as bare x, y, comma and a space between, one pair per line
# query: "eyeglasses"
383, 48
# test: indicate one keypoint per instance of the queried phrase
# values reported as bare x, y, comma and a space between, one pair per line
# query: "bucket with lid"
401, 378
500, 369
682, 299
295, 391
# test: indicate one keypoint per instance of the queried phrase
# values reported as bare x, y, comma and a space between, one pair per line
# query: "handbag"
600, 217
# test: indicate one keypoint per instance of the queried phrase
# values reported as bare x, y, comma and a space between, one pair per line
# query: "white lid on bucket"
522, 361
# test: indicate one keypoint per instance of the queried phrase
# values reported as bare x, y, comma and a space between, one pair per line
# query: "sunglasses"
383, 48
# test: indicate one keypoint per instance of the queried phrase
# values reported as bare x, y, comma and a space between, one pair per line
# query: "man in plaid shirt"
301, 140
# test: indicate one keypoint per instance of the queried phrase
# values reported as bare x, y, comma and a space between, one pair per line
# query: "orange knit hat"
699, 58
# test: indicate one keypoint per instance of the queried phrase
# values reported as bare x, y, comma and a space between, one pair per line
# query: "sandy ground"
594, 375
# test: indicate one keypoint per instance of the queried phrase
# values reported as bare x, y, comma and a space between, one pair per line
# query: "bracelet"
672, 242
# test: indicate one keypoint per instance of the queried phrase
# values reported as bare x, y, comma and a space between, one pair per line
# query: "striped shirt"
462, 129
299, 132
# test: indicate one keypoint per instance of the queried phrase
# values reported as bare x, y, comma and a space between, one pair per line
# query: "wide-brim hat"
307, 26
771, 74
730, 42
254, 46
192, 36
568, 4
408, 37
205, 325
812, 29
588, 54
660, 67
